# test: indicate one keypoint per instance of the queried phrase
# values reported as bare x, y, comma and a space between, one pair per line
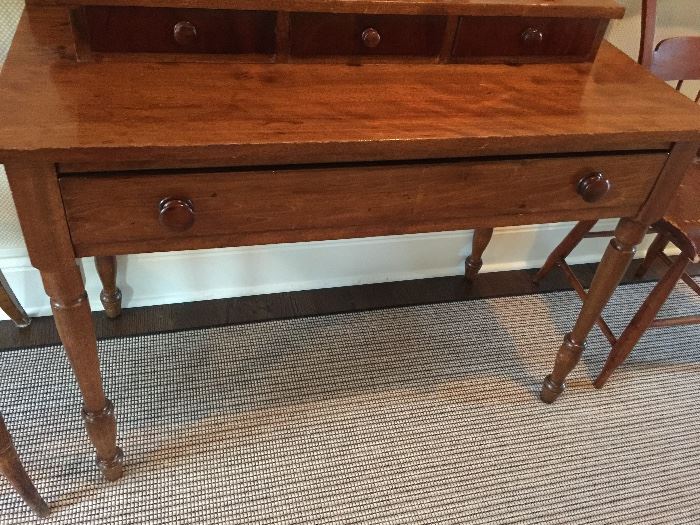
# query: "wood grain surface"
144, 29
180, 114
112, 214
590, 8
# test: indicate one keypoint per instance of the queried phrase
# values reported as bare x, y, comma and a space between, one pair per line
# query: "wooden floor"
258, 308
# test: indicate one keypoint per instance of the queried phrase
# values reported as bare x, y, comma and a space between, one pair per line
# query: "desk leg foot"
617, 258
480, 241
102, 429
567, 358
73, 319
111, 296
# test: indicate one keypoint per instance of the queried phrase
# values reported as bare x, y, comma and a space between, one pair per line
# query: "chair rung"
578, 287
687, 279
593, 235
675, 321
611, 233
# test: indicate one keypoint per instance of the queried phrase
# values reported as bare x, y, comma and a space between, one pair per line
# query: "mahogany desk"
117, 156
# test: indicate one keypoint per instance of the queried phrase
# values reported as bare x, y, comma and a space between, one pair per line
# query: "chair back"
672, 59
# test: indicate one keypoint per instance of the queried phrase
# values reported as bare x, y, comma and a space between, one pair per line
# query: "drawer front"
114, 29
497, 38
325, 34
137, 212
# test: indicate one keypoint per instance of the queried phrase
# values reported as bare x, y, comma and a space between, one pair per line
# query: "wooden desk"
124, 155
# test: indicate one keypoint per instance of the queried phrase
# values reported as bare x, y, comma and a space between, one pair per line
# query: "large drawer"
154, 211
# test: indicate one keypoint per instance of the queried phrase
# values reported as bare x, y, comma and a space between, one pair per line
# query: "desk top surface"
583, 8
62, 111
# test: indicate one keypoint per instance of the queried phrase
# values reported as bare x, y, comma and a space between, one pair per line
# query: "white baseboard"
176, 277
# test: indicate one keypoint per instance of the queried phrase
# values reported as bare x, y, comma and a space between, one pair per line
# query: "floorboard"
135, 321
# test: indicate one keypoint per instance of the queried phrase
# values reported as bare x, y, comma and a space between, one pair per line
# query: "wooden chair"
10, 305
675, 59
11, 467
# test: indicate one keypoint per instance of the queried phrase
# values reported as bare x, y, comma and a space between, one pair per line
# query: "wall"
189, 276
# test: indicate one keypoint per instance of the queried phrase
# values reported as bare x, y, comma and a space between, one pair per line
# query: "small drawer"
113, 29
154, 211
324, 34
483, 39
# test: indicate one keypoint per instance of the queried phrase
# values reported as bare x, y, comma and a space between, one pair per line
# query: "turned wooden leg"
657, 246
642, 319
74, 323
613, 266
111, 296
11, 467
564, 248
481, 239
10, 305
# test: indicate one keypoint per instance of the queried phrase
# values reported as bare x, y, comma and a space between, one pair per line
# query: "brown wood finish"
565, 247
282, 37
330, 36
81, 34
676, 58
583, 294
657, 246
37, 196
672, 59
481, 239
680, 227
326, 34
617, 258
642, 320
679, 231
594, 187
320, 152
111, 295
10, 305
12, 469
557, 8
681, 222
122, 213
144, 29
495, 39
346, 114
686, 278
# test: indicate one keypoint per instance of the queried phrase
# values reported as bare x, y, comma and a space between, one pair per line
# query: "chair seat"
682, 220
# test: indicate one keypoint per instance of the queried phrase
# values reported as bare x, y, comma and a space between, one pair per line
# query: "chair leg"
480, 241
10, 305
642, 320
657, 246
564, 248
111, 296
616, 260
11, 467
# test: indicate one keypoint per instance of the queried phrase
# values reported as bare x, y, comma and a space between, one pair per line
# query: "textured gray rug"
413, 415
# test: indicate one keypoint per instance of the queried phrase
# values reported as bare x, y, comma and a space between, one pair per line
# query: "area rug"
425, 414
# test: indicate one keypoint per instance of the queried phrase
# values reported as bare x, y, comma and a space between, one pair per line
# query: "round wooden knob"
185, 33
532, 37
593, 187
371, 37
176, 214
